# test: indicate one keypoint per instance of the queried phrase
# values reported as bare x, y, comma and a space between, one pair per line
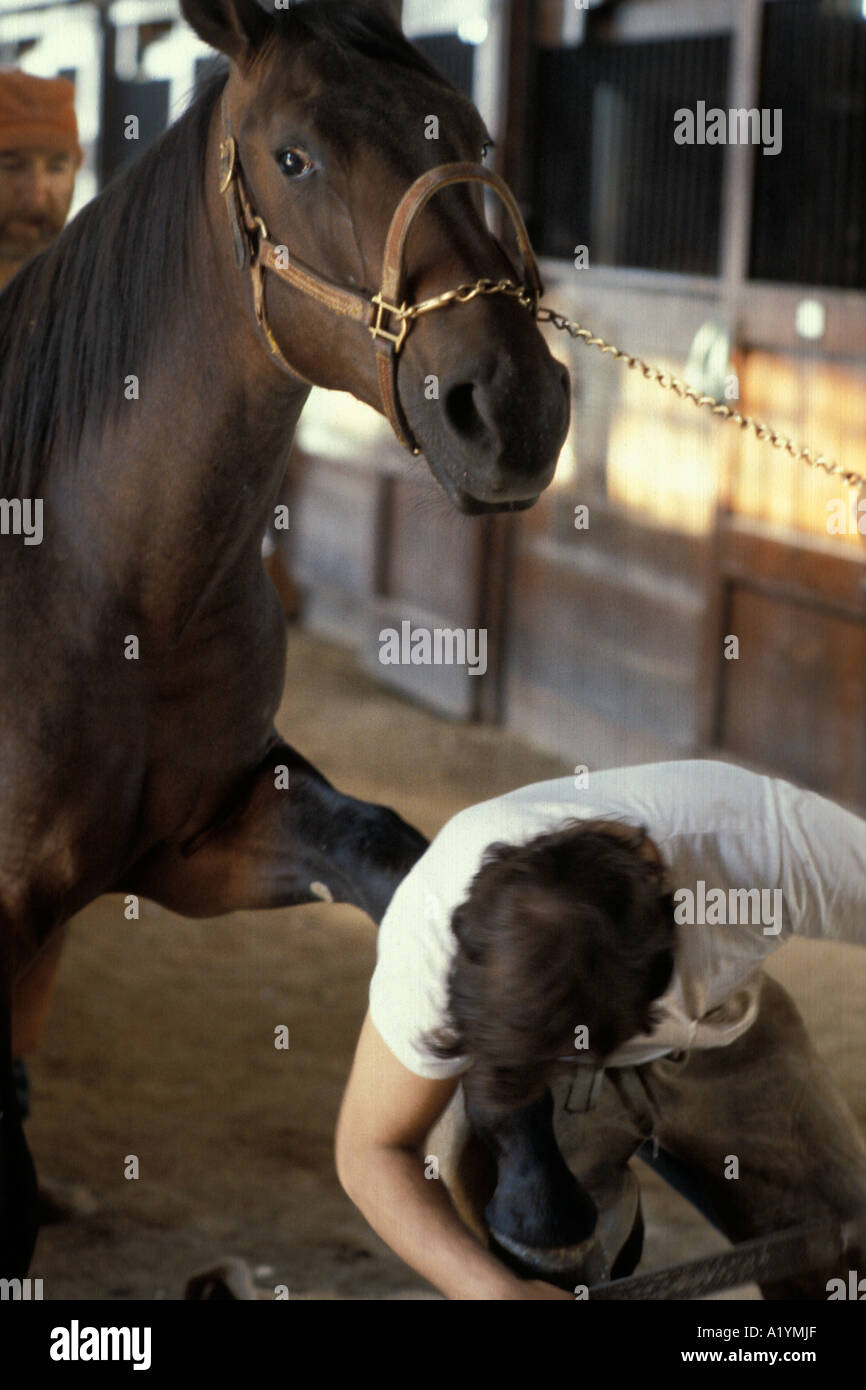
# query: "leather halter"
386, 315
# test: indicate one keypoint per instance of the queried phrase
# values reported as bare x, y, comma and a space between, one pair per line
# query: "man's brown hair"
573, 929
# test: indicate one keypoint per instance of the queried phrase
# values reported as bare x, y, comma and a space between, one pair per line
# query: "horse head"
332, 128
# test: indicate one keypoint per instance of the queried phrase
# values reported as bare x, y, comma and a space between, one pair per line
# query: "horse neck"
190, 471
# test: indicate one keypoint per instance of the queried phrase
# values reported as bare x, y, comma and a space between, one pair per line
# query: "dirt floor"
161, 1043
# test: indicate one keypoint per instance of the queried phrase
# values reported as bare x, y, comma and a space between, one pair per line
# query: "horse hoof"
612, 1251
229, 1280
562, 1265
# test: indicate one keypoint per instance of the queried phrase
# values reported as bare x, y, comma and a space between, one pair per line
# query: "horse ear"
237, 28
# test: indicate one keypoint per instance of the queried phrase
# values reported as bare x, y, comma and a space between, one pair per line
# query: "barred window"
810, 199
608, 172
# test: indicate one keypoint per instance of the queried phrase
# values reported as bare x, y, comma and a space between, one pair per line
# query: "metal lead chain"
465, 293
669, 382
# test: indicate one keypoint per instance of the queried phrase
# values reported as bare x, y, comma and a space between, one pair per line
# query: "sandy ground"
161, 1043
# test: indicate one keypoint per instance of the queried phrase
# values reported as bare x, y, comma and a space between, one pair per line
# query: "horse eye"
485, 150
294, 163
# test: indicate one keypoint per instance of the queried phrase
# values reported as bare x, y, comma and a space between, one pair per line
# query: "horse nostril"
462, 413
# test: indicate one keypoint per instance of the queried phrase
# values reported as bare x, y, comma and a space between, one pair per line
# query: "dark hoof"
229, 1280
611, 1252
563, 1265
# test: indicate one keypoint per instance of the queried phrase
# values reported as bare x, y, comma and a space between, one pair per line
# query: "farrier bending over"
648, 940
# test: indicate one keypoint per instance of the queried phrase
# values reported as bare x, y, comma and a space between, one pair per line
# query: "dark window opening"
609, 174
149, 102
809, 224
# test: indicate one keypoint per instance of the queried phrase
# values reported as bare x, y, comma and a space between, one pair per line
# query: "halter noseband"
386, 315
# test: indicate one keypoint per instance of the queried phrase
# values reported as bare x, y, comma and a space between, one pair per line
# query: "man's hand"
535, 1289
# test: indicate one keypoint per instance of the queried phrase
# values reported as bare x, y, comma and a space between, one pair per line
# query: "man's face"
36, 189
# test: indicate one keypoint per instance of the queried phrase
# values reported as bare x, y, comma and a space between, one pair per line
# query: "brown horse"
153, 366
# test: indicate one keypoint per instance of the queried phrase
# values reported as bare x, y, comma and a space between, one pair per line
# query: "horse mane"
80, 317
88, 311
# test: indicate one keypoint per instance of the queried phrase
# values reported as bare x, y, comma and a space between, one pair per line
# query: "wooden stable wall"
607, 618
794, 590
794, 699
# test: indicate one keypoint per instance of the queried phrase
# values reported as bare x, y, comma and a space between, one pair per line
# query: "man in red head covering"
39, 158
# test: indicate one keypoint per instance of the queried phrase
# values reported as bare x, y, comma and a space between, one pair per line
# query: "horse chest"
217, 699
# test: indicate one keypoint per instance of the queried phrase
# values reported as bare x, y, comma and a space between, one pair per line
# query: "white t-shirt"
717, 827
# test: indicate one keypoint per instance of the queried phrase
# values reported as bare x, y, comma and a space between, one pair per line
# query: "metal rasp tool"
765, 1260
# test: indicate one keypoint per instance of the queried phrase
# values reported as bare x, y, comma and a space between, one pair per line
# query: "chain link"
467, 292
669, 382
464, 294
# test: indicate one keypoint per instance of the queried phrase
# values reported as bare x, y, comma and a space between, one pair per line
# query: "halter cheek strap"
386, 315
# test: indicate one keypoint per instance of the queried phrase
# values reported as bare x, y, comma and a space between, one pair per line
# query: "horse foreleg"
288, 837
542, 1223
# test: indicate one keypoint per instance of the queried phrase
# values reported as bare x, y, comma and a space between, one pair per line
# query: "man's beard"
19, 248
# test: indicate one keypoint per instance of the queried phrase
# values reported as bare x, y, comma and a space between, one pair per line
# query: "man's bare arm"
387, 1114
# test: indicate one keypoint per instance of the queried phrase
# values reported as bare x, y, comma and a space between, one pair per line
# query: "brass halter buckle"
376, 330
227, 163
407, 313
